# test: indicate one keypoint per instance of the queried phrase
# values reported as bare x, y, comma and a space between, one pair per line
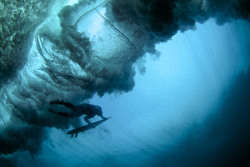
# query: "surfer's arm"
86, 118
103, 117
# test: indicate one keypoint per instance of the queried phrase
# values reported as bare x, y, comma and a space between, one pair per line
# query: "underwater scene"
118, 83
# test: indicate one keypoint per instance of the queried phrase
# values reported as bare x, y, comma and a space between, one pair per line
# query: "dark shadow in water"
223, 139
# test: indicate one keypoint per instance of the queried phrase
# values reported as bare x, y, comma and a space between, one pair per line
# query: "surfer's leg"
56, 102
66, 104
65, 114
69, 105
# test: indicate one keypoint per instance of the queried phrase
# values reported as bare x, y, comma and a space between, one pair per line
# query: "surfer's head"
98, 110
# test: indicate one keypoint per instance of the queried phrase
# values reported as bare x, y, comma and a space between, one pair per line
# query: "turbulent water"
178, 113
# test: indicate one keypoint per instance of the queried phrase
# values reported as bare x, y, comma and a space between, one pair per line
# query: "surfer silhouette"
78, 110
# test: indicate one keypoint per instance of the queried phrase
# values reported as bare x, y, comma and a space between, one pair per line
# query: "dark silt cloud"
160, 20
65, 51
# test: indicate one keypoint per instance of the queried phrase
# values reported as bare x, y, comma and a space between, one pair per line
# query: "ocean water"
185, 104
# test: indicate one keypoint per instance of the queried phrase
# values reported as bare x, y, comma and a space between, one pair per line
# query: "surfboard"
86, 127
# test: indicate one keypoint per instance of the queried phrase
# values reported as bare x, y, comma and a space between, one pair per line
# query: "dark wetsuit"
83, 109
